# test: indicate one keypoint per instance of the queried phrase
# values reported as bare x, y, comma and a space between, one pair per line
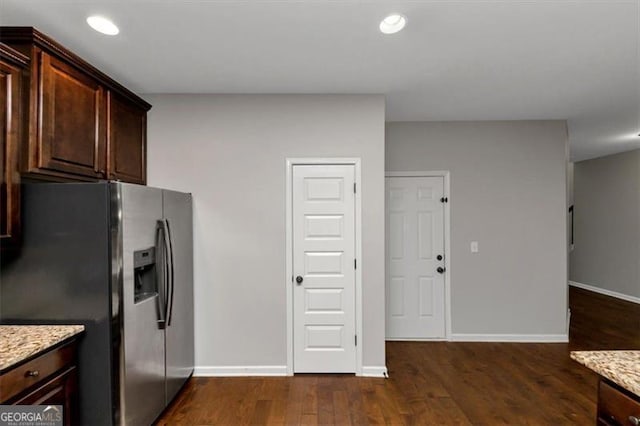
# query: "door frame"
290, 162
447, 240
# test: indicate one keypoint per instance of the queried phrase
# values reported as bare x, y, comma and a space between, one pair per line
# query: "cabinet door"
10, 108
127, 140
72, 130
61, 390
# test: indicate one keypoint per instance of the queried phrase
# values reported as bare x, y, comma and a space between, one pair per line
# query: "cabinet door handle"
32, 373
634, 420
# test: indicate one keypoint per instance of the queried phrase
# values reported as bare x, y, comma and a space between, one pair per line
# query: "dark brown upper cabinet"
12, 64
82, 124
127, 137
72, 131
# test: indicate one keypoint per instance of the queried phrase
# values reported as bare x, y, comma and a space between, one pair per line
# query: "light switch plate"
474, 247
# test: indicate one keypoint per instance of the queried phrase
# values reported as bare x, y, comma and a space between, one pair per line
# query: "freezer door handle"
171, 286
161, 275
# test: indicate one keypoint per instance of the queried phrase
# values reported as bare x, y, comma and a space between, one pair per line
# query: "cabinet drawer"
53, 392
26, 375
615, 407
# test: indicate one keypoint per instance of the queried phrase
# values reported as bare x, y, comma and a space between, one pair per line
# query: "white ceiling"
455, 60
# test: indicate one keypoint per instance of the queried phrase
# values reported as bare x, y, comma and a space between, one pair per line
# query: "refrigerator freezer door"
179, 331
142, 392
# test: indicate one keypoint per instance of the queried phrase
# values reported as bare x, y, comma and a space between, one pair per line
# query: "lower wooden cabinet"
617, 406
60, 390
48, 379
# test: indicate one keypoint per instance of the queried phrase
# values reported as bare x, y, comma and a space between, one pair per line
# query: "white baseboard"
411, 339
605, 292
240, 370
375, 372
267, 370
519, 338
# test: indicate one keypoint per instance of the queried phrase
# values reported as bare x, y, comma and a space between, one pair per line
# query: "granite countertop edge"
620, 367
21, 343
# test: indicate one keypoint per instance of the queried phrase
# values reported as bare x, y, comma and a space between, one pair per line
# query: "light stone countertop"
20, 342
621, 367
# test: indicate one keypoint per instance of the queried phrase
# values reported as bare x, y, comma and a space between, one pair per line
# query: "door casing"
290, 162
447, 239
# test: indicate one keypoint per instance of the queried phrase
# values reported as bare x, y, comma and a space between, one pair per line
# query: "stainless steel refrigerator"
117, 258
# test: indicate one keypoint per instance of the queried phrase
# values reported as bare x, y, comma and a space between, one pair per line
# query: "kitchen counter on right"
620, 367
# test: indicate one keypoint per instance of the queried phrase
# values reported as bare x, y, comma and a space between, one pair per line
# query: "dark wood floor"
435, 383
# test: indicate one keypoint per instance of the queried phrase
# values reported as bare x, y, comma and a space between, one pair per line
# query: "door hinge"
354, 188
355, 263
356, 339
444, 200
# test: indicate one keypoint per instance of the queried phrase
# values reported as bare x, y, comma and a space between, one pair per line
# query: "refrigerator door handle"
160, 266
168, 265
170, 295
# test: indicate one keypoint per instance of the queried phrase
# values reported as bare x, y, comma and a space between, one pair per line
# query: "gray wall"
230, 151
607, 223
509, 193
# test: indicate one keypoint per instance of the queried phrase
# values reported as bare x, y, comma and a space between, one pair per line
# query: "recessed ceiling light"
102, 25
393, 23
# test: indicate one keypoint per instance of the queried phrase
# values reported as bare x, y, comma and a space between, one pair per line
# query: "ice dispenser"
144, 272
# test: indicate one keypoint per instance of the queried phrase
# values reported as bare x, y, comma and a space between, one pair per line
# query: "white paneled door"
415, 288
324, 269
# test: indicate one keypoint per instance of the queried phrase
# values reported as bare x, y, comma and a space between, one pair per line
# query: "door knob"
439, 257
299, 279
440, 270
